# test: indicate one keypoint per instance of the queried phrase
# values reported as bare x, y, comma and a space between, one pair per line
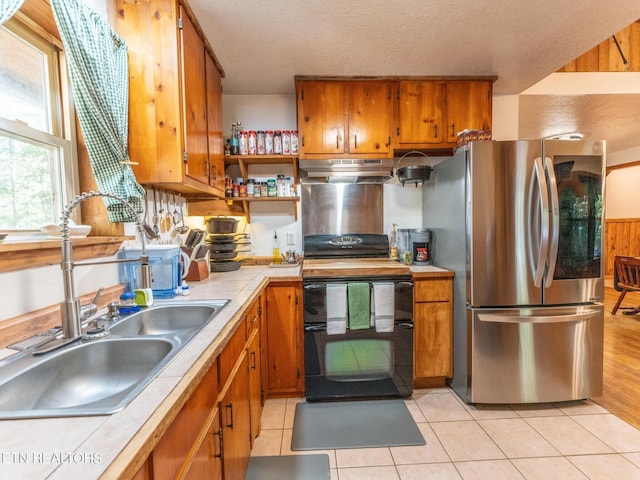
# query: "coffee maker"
414, 242
420, 249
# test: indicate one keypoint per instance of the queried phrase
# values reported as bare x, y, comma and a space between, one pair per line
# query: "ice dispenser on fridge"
166, 268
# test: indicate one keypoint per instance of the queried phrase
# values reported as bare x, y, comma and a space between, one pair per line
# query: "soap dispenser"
393, 244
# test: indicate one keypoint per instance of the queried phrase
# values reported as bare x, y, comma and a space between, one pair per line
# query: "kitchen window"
37, 161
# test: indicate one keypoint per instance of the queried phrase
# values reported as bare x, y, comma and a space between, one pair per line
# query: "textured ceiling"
614, 118
263, 45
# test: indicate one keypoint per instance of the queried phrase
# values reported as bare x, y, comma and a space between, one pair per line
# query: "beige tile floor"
564, 441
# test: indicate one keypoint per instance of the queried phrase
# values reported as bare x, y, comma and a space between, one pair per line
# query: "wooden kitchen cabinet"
214, 125
285, 349
469, 106
175, 108
173, 454
343, 119
254, 351
206, 461
236, 424
432, 112
433, 335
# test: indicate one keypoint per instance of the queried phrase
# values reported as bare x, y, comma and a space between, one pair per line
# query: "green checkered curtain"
8, 8
97, 59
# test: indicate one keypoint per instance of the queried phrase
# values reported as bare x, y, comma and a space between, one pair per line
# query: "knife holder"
198, 270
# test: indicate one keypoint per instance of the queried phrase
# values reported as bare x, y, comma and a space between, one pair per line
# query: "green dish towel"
359, 305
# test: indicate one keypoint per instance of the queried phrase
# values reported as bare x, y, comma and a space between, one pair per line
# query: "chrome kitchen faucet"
72, 313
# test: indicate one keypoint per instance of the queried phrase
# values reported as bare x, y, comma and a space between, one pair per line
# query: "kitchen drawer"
232, 350
433, 290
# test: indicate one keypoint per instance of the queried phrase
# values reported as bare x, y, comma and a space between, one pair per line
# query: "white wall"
622, 199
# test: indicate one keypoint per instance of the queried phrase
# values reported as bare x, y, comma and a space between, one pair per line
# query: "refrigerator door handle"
555, 221
538, 170
574, 317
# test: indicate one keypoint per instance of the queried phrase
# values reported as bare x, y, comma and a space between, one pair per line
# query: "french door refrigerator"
521, 225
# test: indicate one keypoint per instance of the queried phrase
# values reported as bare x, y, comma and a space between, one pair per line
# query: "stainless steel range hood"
346, 170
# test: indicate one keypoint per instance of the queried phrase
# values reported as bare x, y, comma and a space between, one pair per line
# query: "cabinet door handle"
337, 140
453, 129
435, 131
253, 356
220, 445
230, 408
355, 141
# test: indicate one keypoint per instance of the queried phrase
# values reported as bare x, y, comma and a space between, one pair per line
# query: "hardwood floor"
621, 391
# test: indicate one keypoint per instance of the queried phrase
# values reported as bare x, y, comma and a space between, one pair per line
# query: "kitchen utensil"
222, 247
222, 255
177, 217
221, 224
226, 266
155, 219
149, 232
413, 173
181, 229
290, 256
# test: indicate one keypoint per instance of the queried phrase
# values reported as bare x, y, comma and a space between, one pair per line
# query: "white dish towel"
383, 306
336, 299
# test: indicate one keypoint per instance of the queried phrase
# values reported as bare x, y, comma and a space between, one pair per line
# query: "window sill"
40, 253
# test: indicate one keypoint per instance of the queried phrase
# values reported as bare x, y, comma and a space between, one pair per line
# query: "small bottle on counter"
275, 251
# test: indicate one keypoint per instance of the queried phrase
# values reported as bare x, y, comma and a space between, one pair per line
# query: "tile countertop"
106, 446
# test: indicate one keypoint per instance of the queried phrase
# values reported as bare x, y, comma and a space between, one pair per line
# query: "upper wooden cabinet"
434, 111
341, 119
175, 106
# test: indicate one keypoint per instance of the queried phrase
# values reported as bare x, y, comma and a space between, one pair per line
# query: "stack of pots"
223, 244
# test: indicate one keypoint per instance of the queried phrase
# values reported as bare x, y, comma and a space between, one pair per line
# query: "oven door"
358, 363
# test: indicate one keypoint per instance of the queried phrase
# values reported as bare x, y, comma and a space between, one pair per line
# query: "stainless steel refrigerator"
521, 225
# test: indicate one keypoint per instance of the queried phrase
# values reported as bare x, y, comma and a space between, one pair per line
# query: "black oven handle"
316, 327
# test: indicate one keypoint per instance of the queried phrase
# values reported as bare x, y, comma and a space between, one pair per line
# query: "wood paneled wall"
606, 57
622, 237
